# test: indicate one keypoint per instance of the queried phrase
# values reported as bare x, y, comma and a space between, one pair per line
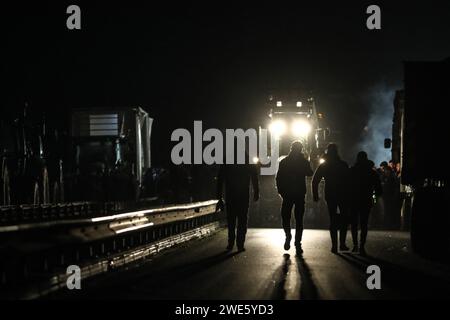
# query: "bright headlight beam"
300, 128
278, 128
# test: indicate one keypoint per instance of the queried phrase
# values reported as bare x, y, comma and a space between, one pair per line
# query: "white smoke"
379, 125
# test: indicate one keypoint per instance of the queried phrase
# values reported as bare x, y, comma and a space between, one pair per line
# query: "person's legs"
242, 219
286, 212
354, 213
343, 225
332, 209
364, 220
231, 223
299, 212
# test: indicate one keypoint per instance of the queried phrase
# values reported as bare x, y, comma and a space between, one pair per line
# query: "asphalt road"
202, 270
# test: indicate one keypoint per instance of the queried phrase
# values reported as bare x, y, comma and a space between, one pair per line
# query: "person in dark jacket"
364, 181
391, 198
291, 186
335, 172
237, 178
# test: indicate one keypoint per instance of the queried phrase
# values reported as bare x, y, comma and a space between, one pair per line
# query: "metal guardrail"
29, 214
12, 215
102, 216
36, 252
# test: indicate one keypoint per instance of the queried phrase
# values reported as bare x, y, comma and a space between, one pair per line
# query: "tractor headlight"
277, 128
301, 128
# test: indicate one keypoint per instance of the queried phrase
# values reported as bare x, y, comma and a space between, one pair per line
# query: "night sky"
216, 61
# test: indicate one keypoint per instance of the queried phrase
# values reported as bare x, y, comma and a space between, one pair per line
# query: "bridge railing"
36, 255
22, 214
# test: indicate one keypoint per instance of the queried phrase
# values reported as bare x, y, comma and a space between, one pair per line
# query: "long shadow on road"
308, 290
279, 292
402, 282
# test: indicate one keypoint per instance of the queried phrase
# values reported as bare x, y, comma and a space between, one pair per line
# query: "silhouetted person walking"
291, 186
237, 178
391, 197
364, 181
335, 172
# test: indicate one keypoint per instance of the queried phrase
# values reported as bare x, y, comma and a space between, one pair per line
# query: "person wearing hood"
335, 173
364, 181
291, 185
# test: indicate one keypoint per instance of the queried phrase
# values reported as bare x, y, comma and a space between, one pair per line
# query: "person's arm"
318, 175
255, 182
280, 178
220, 181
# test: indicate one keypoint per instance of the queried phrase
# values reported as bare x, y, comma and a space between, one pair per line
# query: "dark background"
216, 61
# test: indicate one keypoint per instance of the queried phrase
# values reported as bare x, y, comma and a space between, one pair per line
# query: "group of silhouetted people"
349, 193
389, 174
